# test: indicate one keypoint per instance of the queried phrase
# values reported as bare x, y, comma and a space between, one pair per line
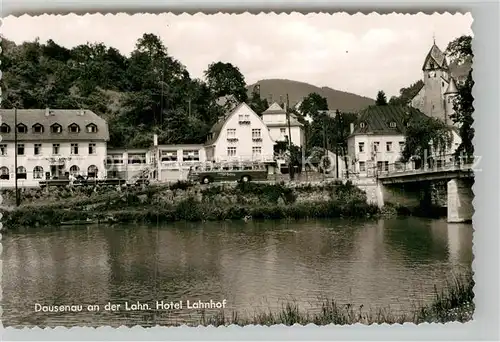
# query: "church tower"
449, 95
436, 78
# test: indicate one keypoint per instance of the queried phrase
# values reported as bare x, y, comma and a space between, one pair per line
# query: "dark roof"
377, 119
438, 56
274, 108
63, 117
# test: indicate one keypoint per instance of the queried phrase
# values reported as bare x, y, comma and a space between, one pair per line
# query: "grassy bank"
453, 303
184, 201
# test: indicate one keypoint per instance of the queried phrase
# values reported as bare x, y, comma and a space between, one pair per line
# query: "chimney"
155, 139
47, 111
352, 127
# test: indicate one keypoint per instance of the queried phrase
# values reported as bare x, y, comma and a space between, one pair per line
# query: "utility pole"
15, 157
325, 153
290, 164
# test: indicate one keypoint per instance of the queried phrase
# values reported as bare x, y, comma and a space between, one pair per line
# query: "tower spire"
434, 37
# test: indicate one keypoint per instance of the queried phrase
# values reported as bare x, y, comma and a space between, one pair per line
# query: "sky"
360, 53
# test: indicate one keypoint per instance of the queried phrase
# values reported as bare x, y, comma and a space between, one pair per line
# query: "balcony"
257, 139
232, 140
244, 121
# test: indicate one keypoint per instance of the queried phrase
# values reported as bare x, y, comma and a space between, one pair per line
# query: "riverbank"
190, 202
454, 303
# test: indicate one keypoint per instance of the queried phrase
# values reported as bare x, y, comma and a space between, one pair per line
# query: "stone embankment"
185, 201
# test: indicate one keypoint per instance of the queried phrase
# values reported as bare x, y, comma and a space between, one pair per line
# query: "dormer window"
56, 128
362, 125
37, 128
74, 128
4, 128
21, 128
431, 65
392, 124
91, 128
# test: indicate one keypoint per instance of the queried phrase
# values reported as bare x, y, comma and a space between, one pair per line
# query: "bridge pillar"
460, 196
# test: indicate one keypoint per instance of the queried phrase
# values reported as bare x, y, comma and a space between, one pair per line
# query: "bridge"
446, 185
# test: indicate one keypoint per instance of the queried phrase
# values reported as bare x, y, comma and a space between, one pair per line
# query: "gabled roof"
452, 87
377, 119
63, 117
275, 108
437, 56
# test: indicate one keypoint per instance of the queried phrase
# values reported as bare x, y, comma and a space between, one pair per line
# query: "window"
375, 146
388, 146
256, 150
91, 128
55, 149
392, 124
231, 132
386, 166
401, 145
431, 65
74, 170
74, 128
37, 172
231, 151
361, 147
4, 128
362, 125
92, 148
92, 171
56, 128
3, 150
74, 149
22, 128
21, 172
37, 149
168, 156
37, 128
247, 117
442, 84
282, 130
380, 165
255, 133
362, 166
140, 158
4, 173
193, 155
115, 159
20, 149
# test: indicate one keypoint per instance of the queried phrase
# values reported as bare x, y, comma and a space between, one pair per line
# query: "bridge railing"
437, 164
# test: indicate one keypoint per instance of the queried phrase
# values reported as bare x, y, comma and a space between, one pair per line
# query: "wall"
83, 160
244, 142
297, 134
366, 156
460, 197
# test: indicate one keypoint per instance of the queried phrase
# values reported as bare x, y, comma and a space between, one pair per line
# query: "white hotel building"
51, 143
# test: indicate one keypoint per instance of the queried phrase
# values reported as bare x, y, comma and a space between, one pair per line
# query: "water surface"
255, 266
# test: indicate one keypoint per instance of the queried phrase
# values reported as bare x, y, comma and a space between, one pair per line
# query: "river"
255, 266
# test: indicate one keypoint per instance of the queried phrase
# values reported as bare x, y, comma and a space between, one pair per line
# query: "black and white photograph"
248, 169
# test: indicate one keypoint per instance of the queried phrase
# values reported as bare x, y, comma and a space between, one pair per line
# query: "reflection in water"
256, 266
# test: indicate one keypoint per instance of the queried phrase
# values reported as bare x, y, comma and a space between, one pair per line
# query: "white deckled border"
486, 257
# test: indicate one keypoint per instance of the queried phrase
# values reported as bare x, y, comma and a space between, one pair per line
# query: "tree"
425, 137
381, 99
225, 79
312, 104
406, 94
258, 104
460, 51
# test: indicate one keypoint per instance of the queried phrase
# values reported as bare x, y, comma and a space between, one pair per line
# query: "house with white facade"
51, 143
173, 162
128, 163
276, 120
240, 136
377, 140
